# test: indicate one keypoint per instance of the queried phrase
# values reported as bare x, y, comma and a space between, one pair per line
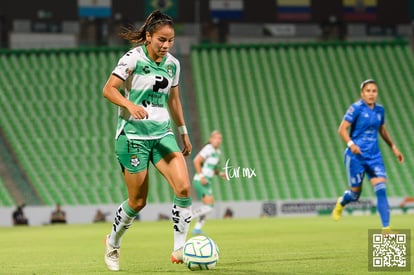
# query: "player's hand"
187, 145
203, 180
398, 154
355, 149
223, 175
137, 111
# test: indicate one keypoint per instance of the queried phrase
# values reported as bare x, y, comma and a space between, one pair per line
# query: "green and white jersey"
148, 84
211, 158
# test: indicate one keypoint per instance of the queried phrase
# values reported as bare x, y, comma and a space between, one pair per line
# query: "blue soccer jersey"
365, 125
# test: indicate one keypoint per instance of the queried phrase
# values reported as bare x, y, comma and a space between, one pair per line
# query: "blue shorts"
357, 166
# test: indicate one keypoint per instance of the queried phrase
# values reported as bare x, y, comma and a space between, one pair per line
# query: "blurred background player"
366, 119
149, 75
206, 167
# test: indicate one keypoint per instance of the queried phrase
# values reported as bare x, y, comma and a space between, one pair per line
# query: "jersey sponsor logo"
157, 97
154, 99
146, 70
160, 83
123, 67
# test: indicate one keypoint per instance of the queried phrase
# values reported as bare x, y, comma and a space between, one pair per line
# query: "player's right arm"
111, 92
344, 134
119, 76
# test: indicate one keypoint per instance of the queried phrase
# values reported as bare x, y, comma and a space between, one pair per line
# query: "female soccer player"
206, 166
148, 75
365, 119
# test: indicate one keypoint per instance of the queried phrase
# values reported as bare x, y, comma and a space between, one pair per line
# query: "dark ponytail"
155, 20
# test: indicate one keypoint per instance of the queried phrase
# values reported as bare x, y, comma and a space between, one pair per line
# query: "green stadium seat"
5, 197
278, 107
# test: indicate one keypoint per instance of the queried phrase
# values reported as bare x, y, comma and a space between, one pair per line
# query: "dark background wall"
388, 12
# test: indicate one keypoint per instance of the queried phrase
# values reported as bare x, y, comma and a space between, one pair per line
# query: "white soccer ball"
200, 253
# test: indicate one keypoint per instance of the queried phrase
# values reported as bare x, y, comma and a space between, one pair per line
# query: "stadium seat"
5, 198
278, 107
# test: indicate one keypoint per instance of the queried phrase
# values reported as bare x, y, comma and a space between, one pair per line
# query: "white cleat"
177, 256
111, 256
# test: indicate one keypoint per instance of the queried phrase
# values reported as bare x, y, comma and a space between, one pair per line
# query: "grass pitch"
280, 245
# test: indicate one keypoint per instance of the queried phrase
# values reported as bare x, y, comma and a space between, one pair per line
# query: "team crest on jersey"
169, 70
379, 117
135, 161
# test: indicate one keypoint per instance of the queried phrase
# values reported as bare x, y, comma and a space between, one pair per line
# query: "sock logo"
117, 219
178, 220
175, 218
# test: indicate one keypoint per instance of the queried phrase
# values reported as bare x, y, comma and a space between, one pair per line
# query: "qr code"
390, 251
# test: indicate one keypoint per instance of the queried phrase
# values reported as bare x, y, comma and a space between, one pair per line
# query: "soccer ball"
200, 253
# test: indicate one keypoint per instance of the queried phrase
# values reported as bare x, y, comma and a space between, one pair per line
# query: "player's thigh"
202, 190
163, 147
355, 171
208, 200
169, 160
133, 155
137, 186
174, 170
376, 171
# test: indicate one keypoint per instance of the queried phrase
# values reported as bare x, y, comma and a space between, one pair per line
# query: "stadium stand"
278, 107
5, 197
61, 128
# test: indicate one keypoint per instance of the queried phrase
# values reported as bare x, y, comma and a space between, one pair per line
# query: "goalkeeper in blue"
359, 129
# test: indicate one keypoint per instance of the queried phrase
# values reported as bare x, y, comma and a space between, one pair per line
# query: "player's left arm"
387, 138
176, 112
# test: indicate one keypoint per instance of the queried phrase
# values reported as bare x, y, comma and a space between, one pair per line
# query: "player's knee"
379, 187
208, 200
137, 204
183, 190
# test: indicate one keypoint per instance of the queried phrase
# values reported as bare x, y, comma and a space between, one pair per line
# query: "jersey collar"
144, 48
366, 105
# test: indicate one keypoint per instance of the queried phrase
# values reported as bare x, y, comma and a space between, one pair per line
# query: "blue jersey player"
359, 129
